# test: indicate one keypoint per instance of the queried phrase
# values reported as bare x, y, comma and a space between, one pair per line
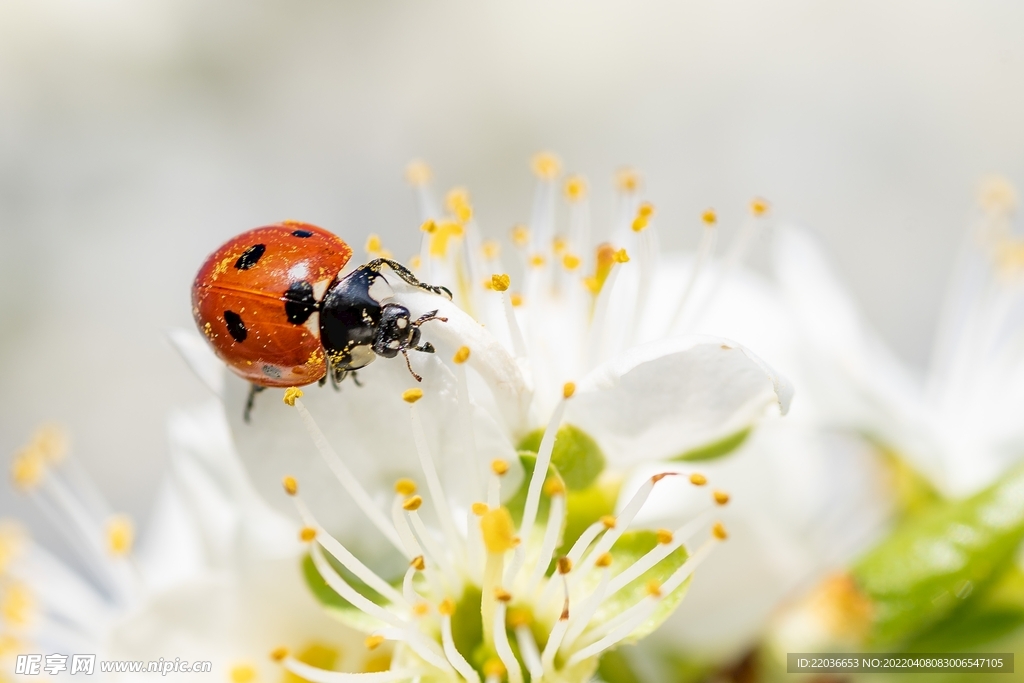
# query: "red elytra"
247, 300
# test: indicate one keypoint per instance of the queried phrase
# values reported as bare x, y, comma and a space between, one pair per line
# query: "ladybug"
272, 304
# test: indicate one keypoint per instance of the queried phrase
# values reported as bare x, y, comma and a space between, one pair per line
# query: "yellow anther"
447, 607
627, 180
373, 245
546, 165
639, 223
609, 521
278, 653
12, 543
412, 395
537, 260
17, 605
758, 206
571, 261
499, 466
719, 532
373, 642
664, 536
421, 609
290, 394
603, 560
52, 442
418, 173
698, 479
28, 468
291, 487
646, 209
519, 617
621, 256
502, 595
500, 282
997, 194
554, 487
516, 299
653, 588
461, 356
709, 217
428, 226
721, 497
243, 673
520, 235
418, 563
457, 201
412, 504
564, 565
498, 530
442, 235
559, 244
568, 389
479, 508
120, 534
575, 188
405, 487
490, 249
493, 668
415, 262
307, 534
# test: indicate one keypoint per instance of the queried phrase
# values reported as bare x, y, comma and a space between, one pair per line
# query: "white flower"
582, 353
214, 579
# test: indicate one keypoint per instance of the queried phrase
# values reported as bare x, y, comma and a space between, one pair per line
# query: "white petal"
199, 357
665, 398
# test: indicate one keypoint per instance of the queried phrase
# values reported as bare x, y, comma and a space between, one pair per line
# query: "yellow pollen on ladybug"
373, 642
278, 653
698, 479
120, 533
664, 536
627, 180
418, 173
290, 394
405, 487
721, 497
709, 217
520, 235
412, 395
418, 563
461, 356
568, 389
307, 534
719, 532
575, 188
758, 206
498, 530
412, 504
500, 282
291, 487
499, 466
546, 165
571, 261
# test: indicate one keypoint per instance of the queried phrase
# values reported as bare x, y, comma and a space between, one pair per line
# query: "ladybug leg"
337, 376
253, 390
407, 275
425, 347
409, 365
322, 381
355, 378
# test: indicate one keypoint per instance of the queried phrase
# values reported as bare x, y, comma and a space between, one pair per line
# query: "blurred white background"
136, 135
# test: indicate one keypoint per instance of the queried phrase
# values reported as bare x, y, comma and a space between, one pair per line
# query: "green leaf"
630, 547
615, 668
716, 449
936, 560
575, 455
335, 605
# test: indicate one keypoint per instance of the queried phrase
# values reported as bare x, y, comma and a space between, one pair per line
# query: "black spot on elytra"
302, 233
250, 256
299, 302
235, 326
